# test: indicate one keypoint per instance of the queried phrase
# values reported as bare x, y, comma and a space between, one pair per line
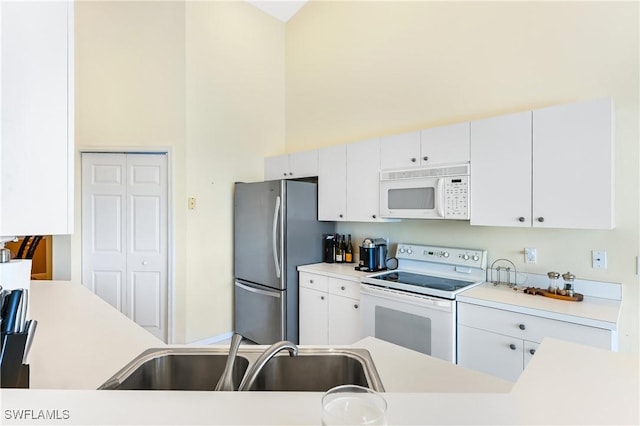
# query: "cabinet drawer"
344, 288
530, 327
314, 281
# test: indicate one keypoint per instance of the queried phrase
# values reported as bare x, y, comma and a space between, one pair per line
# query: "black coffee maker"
373, 255
328, 248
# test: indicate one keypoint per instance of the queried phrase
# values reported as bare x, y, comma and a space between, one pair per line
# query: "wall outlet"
530, 255
192, 203
599, 259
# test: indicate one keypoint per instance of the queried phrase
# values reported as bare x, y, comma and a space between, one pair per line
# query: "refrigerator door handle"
274, 236
258, 291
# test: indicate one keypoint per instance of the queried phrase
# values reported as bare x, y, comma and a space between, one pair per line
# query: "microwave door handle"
440, 198
274, 237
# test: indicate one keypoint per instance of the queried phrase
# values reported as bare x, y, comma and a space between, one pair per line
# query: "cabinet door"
445, 144
345, 323
400, 151
573, 174
313, 317
276, 167
490, 353
363, 181
332, 183
303, 164
36, 109
501, 171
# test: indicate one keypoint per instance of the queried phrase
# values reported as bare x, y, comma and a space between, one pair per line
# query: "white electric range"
414, 305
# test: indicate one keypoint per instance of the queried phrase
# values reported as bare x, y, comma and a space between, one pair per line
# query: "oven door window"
412, 198
403, 329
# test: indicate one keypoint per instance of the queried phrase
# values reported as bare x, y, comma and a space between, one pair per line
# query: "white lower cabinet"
501, 342
329, 310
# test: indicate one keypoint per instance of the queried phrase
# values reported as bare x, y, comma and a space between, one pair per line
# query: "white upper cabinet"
573, 163
291, 166
445, 144
363, 181
332, 183
501, 171
36, 105
550, 168
400, 151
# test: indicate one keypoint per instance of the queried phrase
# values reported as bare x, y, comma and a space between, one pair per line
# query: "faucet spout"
270, 352
225, 383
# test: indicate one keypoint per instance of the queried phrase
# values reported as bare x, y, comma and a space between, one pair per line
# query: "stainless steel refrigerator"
275, 230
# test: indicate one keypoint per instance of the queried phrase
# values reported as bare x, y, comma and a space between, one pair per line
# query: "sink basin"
198, 369
175, 371
317, 373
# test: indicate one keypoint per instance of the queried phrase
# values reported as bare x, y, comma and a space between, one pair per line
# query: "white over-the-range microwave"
425, 193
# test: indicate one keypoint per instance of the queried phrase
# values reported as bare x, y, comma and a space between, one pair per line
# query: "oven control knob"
409, 251
475, 258
401, 249
445, 254
465, 256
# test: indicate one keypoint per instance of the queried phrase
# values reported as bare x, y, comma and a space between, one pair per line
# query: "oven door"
419, 198
422, 323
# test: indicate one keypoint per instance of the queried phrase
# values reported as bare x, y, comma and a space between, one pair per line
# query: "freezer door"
257, 233
259, 313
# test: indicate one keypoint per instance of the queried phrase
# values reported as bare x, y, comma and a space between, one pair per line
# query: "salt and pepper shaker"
568, 283
553, 282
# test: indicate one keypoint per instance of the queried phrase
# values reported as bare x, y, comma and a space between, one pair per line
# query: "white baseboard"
213, 340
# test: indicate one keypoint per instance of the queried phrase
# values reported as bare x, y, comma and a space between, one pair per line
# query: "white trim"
214, 339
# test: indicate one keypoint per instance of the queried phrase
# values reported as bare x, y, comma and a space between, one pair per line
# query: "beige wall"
361, 69
206, 81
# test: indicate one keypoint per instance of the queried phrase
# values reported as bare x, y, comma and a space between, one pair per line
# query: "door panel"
124, 234
146, 297
259, 313
108, 286
254, 209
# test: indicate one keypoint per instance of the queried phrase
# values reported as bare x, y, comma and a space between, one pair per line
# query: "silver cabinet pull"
355, 306
321, 297
522, 327
425, 158
532, 351
521, 219
512, 347
342, 288
541, 219
413, 160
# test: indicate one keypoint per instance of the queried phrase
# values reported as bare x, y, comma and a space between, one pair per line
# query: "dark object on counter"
13, 374
373, 255
576, 297
328, 248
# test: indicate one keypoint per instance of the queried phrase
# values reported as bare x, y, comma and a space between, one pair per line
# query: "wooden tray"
577, 297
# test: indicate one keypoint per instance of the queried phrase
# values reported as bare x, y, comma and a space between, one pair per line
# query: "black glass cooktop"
427, 281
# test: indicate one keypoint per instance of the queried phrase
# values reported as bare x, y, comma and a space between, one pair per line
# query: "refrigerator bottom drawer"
259, 313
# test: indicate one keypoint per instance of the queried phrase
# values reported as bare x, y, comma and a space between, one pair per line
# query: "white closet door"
124, 234
147, 241
104, 256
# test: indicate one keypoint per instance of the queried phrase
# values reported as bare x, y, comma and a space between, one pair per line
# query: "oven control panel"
448, 255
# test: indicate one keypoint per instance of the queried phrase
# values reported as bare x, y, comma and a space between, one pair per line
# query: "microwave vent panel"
430, 172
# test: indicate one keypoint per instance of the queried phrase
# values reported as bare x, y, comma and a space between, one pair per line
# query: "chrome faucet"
270, 352
225, 383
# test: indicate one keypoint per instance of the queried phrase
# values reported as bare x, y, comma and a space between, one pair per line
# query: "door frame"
170, 216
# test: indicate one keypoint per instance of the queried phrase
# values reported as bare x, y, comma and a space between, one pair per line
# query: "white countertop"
345, 271
82, 341
592, 311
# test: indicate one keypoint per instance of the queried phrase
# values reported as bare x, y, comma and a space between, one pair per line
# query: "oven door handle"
401, 296
441, 198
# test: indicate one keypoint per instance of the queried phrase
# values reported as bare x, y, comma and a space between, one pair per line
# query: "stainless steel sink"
179, 369
315, 370
310, 373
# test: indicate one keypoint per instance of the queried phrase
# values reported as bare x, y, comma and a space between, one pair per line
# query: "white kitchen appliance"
414, 306
425, 193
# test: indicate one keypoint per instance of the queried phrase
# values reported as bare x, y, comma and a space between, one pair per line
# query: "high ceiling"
280, 9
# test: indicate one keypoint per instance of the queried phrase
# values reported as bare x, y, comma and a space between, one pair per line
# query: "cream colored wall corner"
235, 117
361, 69
206, 80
